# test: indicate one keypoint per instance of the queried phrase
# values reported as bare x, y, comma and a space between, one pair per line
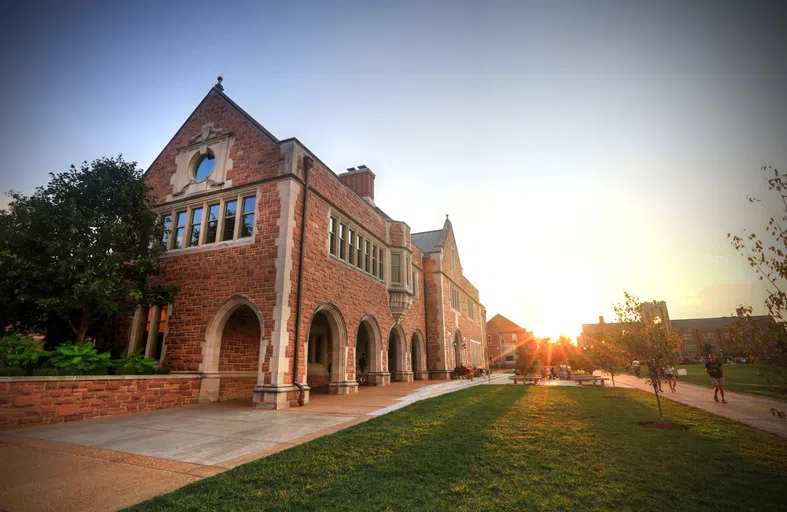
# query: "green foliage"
79, 248
46, 372
83, 359
18, 351
135, 364
527, 355
11, 371
162, 370
766, 253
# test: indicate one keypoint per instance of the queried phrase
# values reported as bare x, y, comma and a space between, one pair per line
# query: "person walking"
362, 367
669, 372
716, 374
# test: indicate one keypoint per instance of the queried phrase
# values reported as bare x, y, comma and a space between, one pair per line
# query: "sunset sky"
579, 150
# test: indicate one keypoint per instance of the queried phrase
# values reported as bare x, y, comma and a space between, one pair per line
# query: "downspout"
307, 165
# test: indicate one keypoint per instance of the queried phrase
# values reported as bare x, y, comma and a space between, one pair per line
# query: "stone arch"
458, 349
211, 347
397, 355
368, 342
210, 386
338, 382
418, 356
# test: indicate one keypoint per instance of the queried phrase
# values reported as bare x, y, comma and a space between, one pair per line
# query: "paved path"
113, 463
751, 410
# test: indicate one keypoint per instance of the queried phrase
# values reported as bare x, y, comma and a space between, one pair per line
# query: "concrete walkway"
113, 463
751, 410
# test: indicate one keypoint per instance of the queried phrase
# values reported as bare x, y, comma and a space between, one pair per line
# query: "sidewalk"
751, 410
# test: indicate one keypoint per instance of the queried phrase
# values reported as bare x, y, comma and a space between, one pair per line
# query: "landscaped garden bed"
512, 448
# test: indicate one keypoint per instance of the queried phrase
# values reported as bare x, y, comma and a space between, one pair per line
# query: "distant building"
502, 336
694, 332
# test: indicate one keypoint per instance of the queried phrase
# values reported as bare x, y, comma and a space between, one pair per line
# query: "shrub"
17, 351
46, 372
15, 371
135, 364
163, 371
83, 359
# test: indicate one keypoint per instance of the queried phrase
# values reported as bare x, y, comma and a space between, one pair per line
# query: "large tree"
82, 248
766, 252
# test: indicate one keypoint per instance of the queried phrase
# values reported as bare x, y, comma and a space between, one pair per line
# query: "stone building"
503, 335
258, 291
694, 332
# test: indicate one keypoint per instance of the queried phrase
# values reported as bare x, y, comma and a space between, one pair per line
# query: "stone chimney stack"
361, 180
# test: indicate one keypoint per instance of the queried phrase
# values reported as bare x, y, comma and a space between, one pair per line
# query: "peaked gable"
244, 150
501, 323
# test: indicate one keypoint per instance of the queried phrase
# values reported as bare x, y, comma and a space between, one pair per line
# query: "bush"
163, 371
15, 371
23, 352
83, 359
46, 372
135, 364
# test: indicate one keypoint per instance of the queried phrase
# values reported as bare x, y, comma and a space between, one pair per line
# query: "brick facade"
236, 309
28, 401
503, 337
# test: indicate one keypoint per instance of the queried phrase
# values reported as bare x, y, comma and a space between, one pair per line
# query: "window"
213, 224
359, 252
332, 240
209, 222
195, 227
380, 260
247, 219
690, 346
509, 358
470, 309
374, 261
367, 244
230, 211
415, 285
204, 167
180, 228
395, 265
455, 301
351, 246
167, 221
342, 242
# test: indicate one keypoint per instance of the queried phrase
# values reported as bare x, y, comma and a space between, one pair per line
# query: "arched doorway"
458, 349
397, 358
231, 351
418, 357
368, 351
326, 352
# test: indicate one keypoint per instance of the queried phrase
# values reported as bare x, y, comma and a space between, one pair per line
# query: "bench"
581, 379
526, 378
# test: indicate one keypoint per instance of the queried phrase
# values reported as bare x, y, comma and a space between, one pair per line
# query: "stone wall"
28, 401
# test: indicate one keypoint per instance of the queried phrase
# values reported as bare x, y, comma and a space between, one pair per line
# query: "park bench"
581, 379
524, 379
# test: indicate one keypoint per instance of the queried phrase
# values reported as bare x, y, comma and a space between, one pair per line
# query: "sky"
579, 148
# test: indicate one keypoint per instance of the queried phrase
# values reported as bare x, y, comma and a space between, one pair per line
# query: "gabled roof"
429, 241
503, 323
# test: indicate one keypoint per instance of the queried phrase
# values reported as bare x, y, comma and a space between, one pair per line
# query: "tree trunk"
658, 400
614, 390
84, 323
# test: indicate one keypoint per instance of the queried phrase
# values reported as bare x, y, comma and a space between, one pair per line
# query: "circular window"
204, 167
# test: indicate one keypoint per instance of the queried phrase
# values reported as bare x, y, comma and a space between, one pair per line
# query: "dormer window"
204, 166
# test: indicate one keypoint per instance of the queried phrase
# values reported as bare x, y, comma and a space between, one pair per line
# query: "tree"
649, 342
527, 355
608, 357
707, 348
766, 253
82, 248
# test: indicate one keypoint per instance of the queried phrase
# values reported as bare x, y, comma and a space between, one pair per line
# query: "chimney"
601, 319
361, 180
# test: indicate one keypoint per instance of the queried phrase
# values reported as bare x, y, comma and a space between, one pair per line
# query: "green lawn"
744, 378
512, 448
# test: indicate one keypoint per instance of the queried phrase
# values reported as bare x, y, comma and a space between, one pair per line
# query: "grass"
744, 378
512, 448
